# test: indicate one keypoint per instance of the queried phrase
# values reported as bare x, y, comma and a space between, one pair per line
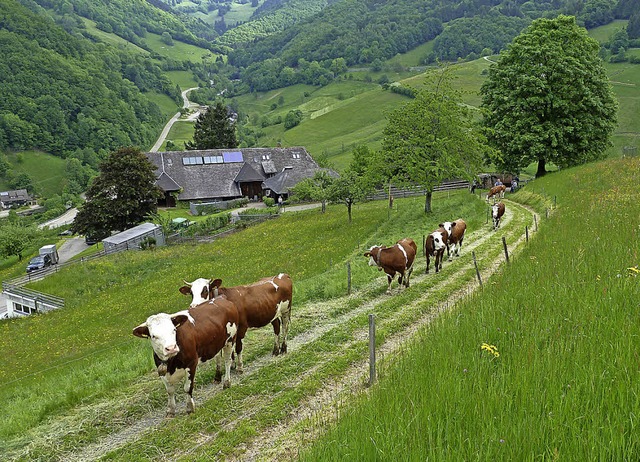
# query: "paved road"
65, 219
186, 104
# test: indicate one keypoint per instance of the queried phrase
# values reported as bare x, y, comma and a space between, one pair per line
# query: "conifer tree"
214, 130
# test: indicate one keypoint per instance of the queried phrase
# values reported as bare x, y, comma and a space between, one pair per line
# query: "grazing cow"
267, 301
435, 245
396, 259
455, 230
181, 340
497, 210
496, 192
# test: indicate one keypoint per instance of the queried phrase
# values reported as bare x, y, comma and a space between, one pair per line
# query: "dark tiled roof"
221, 180
15, 195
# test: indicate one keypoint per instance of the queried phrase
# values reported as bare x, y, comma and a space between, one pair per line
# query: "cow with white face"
497, 210
267, 301
434, 246
456, 230
182, 340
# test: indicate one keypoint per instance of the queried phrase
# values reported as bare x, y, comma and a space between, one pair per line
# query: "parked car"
39, 262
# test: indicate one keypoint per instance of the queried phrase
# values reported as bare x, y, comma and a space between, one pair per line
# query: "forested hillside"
61, 93
366, 32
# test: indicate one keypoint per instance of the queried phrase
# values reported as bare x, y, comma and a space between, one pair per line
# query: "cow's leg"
227, 350
438, 260
285, 309
239, 365
170, 381
389, 280
218, 377
428, 260
406, 279
188, 387
276, 336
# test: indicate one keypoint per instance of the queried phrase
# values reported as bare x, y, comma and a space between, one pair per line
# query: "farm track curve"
315, 319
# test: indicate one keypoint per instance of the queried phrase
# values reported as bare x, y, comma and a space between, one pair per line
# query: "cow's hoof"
283, 349
191, 408
162, 370
240, 371
170, 414
226, 384
276, 351
217, 378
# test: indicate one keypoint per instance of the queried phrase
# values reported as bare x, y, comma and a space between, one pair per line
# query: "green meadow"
540, 365
47, 172
179, 51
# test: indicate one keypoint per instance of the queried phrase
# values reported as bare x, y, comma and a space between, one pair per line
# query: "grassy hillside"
46, 171
85, 353
557, 379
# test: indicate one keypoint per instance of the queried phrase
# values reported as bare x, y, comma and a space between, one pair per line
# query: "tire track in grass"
133, 431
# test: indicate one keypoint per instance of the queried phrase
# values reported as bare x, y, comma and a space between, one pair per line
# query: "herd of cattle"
218, 317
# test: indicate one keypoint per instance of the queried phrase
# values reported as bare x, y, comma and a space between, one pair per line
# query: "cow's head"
494, 211
373, 253
448, 226
161, 329
439, 240
200, 290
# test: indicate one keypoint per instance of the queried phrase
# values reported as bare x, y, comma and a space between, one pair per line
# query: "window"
192, 161
212, 159
296, 155
266, 156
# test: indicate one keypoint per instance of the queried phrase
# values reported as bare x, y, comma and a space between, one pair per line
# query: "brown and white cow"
396, 259
267, 301
496, 192
455, 230
435, 245
497, 210
182, 340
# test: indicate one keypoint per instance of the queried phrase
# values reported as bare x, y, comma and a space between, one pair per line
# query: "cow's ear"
215, 283
453, 224
179, 319
141, 331
441, 225
367, 254
185, 290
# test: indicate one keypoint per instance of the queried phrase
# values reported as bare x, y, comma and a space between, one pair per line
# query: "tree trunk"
324, 206
427, 202
349, 210
541, 167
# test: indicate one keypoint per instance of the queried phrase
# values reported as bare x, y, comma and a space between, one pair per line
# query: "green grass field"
179, 50
46, 171
540, 365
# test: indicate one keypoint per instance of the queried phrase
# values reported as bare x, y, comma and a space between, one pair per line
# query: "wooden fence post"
506, 252
475, 263
535, 221
348, 278
372, 349
526, 232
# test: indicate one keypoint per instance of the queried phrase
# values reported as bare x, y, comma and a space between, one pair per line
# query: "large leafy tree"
548, 99
15, 239
431, 139
316, 188
214, 130
121, 196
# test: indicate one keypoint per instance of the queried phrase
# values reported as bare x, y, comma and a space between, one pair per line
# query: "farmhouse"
15, 198
224, 174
